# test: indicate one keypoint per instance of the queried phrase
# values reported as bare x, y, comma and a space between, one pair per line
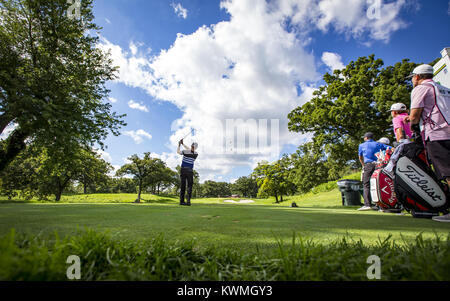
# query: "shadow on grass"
159, 201
15, 202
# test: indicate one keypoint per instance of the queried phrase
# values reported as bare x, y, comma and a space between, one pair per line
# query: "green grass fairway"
211, 222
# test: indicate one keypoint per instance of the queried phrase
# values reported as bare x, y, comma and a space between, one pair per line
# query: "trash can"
351, 192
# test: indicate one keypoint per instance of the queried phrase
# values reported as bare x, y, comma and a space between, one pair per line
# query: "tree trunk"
59, 192
84, 185
58, 196
281, 198
61, 187
139, 192
276, 198
159, 184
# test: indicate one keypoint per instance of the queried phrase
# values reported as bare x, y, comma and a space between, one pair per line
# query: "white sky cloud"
350, 17
107, 21
104, 155
245, 68
112, 99
137, 106
180, 10
333, 61
138, 136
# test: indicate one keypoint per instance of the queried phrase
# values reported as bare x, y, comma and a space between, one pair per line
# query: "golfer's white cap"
384, 140
422, 69
398, 107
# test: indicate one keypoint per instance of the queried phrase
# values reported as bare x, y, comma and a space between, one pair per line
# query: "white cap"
195, 145
398, 107
384, 141
422, 69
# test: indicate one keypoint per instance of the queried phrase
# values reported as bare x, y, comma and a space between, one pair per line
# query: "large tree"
94, 172
246, 186
35, 173
274, 179
353, 100
52, 78
143, 170
215, 189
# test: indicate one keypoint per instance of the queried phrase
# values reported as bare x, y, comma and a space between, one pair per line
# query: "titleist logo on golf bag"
427, 188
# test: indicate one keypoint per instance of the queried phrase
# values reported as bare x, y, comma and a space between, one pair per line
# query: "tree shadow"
159, 201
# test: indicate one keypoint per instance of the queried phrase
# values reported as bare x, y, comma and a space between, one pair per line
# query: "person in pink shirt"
402, 129
436, 129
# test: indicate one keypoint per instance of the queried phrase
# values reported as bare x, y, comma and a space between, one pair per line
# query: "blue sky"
145, 37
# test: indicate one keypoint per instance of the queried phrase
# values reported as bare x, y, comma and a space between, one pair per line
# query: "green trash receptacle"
350, 191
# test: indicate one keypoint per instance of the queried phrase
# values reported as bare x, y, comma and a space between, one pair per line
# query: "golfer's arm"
400, 136
178, 150
361, 159
415, 115
185, 147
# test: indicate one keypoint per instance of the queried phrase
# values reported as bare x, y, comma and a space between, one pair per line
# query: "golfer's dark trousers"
369, 169
187, 175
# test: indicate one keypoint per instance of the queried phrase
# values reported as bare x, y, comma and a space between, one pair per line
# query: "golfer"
402, 129
367, 157
436, 133
187, 171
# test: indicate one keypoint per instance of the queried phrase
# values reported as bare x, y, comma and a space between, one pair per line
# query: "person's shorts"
439, 154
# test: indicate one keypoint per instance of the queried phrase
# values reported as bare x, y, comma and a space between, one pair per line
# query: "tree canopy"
353, 101
52, 78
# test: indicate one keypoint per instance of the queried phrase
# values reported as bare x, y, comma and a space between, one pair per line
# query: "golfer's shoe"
365, 208
443, 219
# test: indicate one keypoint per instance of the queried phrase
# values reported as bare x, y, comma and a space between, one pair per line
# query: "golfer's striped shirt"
188, 159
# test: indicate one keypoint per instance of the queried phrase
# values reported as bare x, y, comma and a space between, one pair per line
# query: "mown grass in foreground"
25, 257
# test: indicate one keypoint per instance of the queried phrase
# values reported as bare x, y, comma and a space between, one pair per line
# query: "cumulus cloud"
333, 61
104, 155
248, 69
180, 10
137, 106
353, 18
138, 136
112, 99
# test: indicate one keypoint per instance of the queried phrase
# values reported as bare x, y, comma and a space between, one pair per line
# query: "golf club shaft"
187, 135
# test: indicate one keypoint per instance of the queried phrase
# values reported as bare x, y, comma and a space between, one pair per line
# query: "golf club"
191, 132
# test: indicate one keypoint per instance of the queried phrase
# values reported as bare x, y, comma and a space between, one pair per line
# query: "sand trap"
230, 201
240, 202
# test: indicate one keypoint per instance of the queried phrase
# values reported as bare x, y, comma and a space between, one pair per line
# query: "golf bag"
382, 191
382, 188
416, 186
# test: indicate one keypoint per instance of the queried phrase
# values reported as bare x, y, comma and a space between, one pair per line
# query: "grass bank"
25, 257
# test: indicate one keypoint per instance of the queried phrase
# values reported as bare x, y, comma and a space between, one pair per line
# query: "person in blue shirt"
367, 151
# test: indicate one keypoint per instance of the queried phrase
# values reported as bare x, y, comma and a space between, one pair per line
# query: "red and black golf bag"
382, 186
416, 185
